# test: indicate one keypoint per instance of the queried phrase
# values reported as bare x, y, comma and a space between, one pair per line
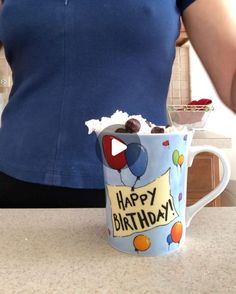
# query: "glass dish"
191, 116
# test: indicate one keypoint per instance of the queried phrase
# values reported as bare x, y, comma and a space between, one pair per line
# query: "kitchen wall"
222, 120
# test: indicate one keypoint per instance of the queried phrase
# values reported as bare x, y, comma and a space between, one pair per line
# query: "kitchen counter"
65, 251
204, 137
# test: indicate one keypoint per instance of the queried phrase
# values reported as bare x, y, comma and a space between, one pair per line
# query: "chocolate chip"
157, 130
167, 126
120, 130
132, 125
148, 123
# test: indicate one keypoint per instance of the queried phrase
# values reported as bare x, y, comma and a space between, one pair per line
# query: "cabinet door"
203, 177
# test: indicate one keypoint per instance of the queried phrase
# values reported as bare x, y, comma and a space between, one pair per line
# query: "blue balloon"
137, 159
169, 239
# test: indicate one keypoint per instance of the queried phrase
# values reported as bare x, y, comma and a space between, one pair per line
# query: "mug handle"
193, 151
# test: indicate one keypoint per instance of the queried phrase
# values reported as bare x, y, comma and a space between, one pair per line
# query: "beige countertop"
204, 137
65, 251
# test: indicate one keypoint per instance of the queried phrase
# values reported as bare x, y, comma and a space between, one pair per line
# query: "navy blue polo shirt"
74, 60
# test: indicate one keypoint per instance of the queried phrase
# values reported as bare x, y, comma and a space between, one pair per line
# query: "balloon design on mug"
137, 160
175, 234
141, 243
180, 197
116, 162
175, 157
135, 156
178, 159
166, 143
181, 160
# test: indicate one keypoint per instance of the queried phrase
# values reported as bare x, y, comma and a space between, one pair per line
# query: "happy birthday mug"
146, 186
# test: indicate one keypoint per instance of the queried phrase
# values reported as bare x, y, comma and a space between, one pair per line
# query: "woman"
77, 60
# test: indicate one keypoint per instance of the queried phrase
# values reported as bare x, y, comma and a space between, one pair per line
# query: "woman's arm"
211, 26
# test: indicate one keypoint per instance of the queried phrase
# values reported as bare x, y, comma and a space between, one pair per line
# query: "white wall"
222, 120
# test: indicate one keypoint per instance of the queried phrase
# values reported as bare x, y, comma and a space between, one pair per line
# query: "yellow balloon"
141, 243
181, 160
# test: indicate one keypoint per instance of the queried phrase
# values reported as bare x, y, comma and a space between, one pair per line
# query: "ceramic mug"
146, 197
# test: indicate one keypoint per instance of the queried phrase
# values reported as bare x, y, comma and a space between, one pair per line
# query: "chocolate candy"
156, 130
120, 130
132, 125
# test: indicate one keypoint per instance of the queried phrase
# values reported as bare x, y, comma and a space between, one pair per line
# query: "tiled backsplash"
179, 90
5, 77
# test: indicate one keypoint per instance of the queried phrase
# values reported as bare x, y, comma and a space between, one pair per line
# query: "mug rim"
148, 135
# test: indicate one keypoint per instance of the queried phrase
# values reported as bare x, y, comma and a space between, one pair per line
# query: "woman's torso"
73, 60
